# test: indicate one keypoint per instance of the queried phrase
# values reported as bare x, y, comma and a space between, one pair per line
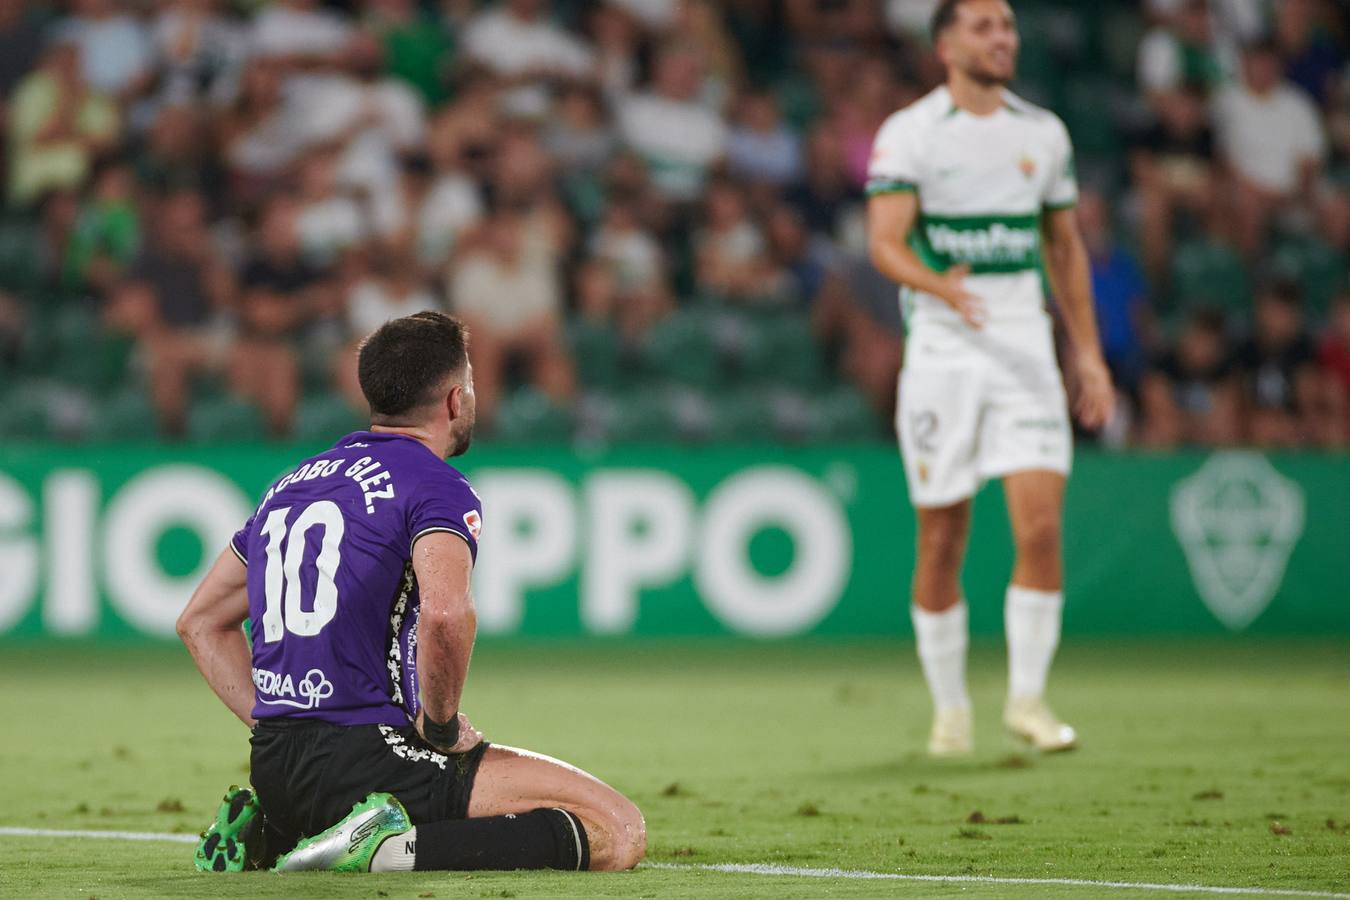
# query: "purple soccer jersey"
332, 598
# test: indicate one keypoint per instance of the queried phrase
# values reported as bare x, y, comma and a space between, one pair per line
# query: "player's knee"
631, 843
1039, 536
623, 843
941, 547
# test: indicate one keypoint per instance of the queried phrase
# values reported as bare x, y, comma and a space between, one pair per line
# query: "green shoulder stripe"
1056, 207
880, 186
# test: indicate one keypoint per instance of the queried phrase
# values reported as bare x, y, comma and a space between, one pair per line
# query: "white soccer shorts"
975, 405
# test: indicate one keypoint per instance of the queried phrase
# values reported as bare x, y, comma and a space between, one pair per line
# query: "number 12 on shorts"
285, 556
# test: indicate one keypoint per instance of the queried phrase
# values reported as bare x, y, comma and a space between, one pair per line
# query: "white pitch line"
789, 871
104, 835
793, 871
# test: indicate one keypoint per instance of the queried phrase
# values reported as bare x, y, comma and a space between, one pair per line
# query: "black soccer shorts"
308, 774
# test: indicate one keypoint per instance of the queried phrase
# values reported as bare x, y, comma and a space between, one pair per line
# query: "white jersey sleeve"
1061, 190
894, 165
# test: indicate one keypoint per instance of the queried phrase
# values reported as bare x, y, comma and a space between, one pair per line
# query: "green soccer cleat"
350, 845
232, 843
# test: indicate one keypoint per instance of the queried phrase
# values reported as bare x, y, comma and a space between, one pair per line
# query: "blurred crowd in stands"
649, 212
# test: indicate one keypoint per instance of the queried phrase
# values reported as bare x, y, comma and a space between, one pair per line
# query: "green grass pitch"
1210, 762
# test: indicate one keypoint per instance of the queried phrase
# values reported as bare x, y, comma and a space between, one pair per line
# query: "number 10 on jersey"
285, 556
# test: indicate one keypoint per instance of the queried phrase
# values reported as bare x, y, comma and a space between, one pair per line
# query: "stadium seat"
1208, 273
843, 414
743, 416
596, 350
124, 416
529, 415
26, 412
326, 417
680, 348
1318, 269
224, 420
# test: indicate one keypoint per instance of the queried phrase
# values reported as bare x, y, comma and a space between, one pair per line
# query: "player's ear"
454, 401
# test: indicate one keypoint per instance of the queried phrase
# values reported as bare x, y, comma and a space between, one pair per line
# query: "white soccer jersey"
983, 183
978, 404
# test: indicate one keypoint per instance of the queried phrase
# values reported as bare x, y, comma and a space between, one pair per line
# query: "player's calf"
378, 836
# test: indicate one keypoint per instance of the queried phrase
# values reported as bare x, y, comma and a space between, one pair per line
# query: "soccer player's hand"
1096, 400
970, 307
469, 737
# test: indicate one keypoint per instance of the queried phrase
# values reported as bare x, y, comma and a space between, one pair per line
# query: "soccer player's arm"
893, 211
443, 564
210, 627
1070, 273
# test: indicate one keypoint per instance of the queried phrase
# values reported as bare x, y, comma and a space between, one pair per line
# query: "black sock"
540, 839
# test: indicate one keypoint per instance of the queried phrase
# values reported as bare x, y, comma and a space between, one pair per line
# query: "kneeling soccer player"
354, 573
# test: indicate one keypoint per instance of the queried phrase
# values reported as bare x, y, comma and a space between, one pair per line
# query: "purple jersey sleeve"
448, 504
239, 543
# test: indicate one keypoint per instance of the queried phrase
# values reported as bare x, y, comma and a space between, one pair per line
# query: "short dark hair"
404, 364
943, 17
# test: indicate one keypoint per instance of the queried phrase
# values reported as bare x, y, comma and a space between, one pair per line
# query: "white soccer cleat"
953, 733
1031, 720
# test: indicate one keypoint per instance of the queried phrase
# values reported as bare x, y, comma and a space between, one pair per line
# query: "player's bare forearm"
447, 625
890, 217
1070, 272
1066, 262
210, 628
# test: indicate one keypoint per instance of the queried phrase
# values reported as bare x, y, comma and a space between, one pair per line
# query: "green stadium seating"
224, 420
26, 411
529, 415
794, 358
1320, 271
680, 348
326, 417
596, 351
125, 416
843, 414
1208, 273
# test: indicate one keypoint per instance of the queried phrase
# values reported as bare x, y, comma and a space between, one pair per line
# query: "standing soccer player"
354, 572
970, 189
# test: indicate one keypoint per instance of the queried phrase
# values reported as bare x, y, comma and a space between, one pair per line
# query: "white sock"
942, 639
1031, 620
396, 854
